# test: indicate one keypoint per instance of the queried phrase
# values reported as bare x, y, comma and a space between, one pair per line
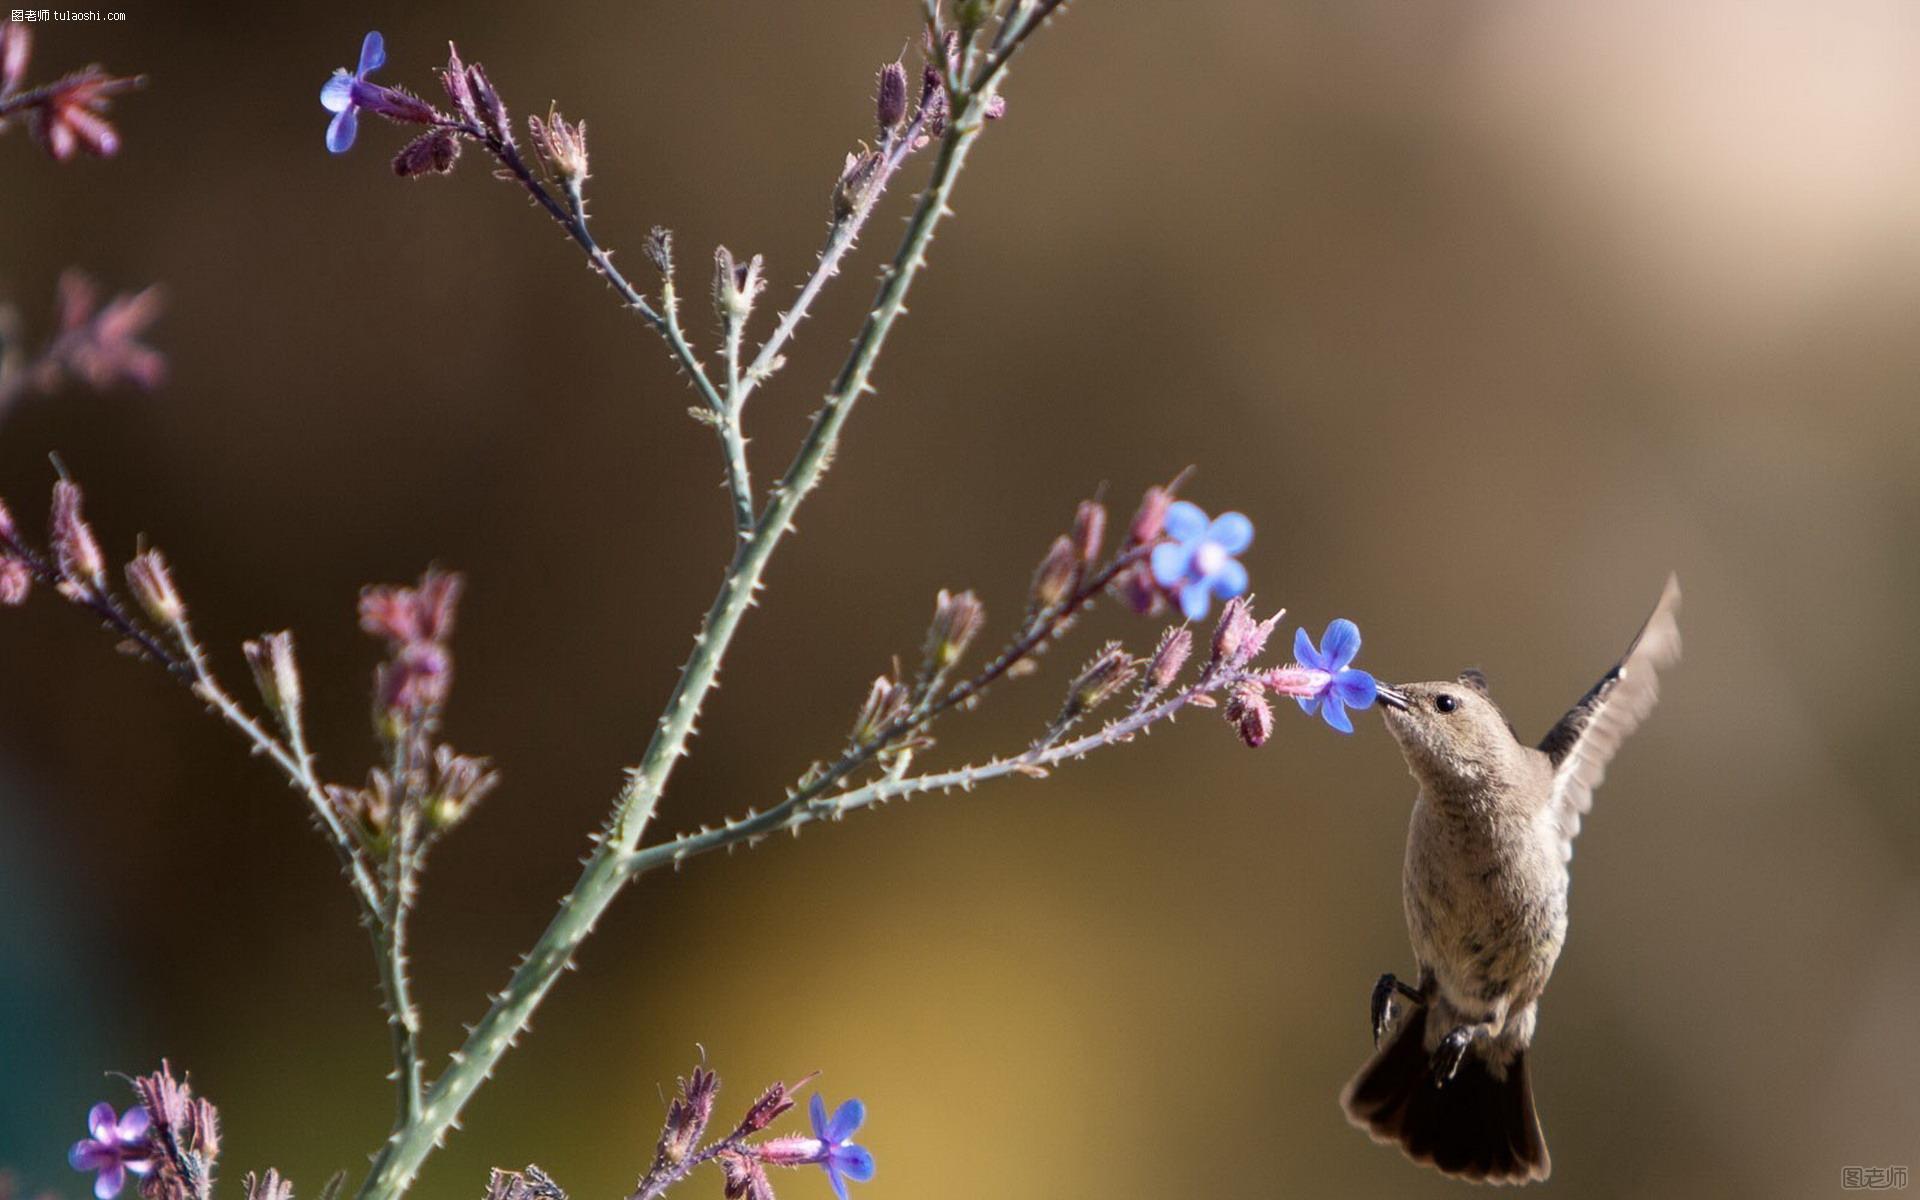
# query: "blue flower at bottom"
1198, 564
843, 1160
343, 94
1346, 687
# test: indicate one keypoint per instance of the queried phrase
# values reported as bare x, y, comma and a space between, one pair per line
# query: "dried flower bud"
1104, 675
1168, 657
1249, 713
744, 1177
886, 703
856, 179
75, 550
767, 1109
956, 619
1058, 572
459, 87
890, 105
933, 102
659, 249
1232, 635
433, 152
562, 147
16, 581
267, 1187
532, 1184
1089, 530
275, 672
16, 46
492, 113
736, 285
687, 1117
185, 1135
460, 782
1151, 517
152, 586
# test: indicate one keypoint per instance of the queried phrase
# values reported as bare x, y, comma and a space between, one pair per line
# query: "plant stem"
398, 1161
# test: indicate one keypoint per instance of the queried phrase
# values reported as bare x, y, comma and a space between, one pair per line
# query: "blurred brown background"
1489, 314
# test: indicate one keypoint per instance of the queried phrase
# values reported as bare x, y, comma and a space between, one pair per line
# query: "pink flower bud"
956, 620
275, 673
1249, 713
1089, 530
1058, 572
16, 46
1233, 635
75, 549
1151, 516
152, 585
1171, 655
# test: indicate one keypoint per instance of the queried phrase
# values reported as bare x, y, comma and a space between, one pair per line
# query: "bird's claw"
1382, 1010
1451, 1052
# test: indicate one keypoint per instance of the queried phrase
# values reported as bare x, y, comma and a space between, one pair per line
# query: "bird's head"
1450, 731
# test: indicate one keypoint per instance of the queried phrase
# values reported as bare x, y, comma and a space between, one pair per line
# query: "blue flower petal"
1195, 600
341, 130
1308, 704
839, 1183
1229, 581
817, 1110
373, 54
111, 1179
1303, 651
1231, 531
88, 1155
1339, 644
1170, 563
1185, 521
1336, 714
102, 1123
337, 92
855, 1162
1355, 688
845, 1121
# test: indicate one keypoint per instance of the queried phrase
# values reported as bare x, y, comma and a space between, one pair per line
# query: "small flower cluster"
66, 116
94, 343
170, 1141
743, 1160
429, 788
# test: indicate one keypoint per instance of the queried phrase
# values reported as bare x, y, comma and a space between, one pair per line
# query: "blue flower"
344, 94
842, 1159
118, 1146
1198, 563
1344, 686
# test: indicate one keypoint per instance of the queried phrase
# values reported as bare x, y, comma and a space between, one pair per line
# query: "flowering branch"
66, 116
94, 343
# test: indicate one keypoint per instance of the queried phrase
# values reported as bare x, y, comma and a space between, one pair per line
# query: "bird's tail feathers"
1479, 1125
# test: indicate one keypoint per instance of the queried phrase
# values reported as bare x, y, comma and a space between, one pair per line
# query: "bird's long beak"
1393, 697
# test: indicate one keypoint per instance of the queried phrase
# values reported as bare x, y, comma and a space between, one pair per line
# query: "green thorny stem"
607, 868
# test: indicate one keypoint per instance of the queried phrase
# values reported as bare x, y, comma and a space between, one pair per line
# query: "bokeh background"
1489, 313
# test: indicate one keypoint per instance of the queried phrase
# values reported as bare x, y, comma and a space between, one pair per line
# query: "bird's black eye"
1445, 703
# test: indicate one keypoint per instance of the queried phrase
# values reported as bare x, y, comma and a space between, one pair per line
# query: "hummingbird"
1485, 893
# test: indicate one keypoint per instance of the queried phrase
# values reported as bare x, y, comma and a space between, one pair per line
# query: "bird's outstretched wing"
1582, 744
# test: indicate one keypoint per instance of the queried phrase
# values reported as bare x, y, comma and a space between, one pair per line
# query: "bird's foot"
1382, 1009
1451, 1052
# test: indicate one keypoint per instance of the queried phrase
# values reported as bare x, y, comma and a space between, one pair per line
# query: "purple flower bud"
890, 107
772, 1102
1249, 713
275, 673
395, 104
1058, 572
493, 113
1089, 530
75, 549
933, 102
1168, 657
433, 152
1233, 635
687, 1117
152, 585
1151, 517
16, 46
459, 88
956, 619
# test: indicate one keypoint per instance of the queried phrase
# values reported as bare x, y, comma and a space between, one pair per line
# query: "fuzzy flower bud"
16, 578
659, 249
1058, 572
736, 285
16, 45
275, 672
152, 585
791, 1151
460, 782
1168, 657
856, 178
186, 1135
886, 703
1249, 713
1104, 675
687, 1117
433, 152
890, 105
1151, 517
75, 549
1089, 530
562, 147
492, 112
459, 86
956, 620
771, 1104
1234, 634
